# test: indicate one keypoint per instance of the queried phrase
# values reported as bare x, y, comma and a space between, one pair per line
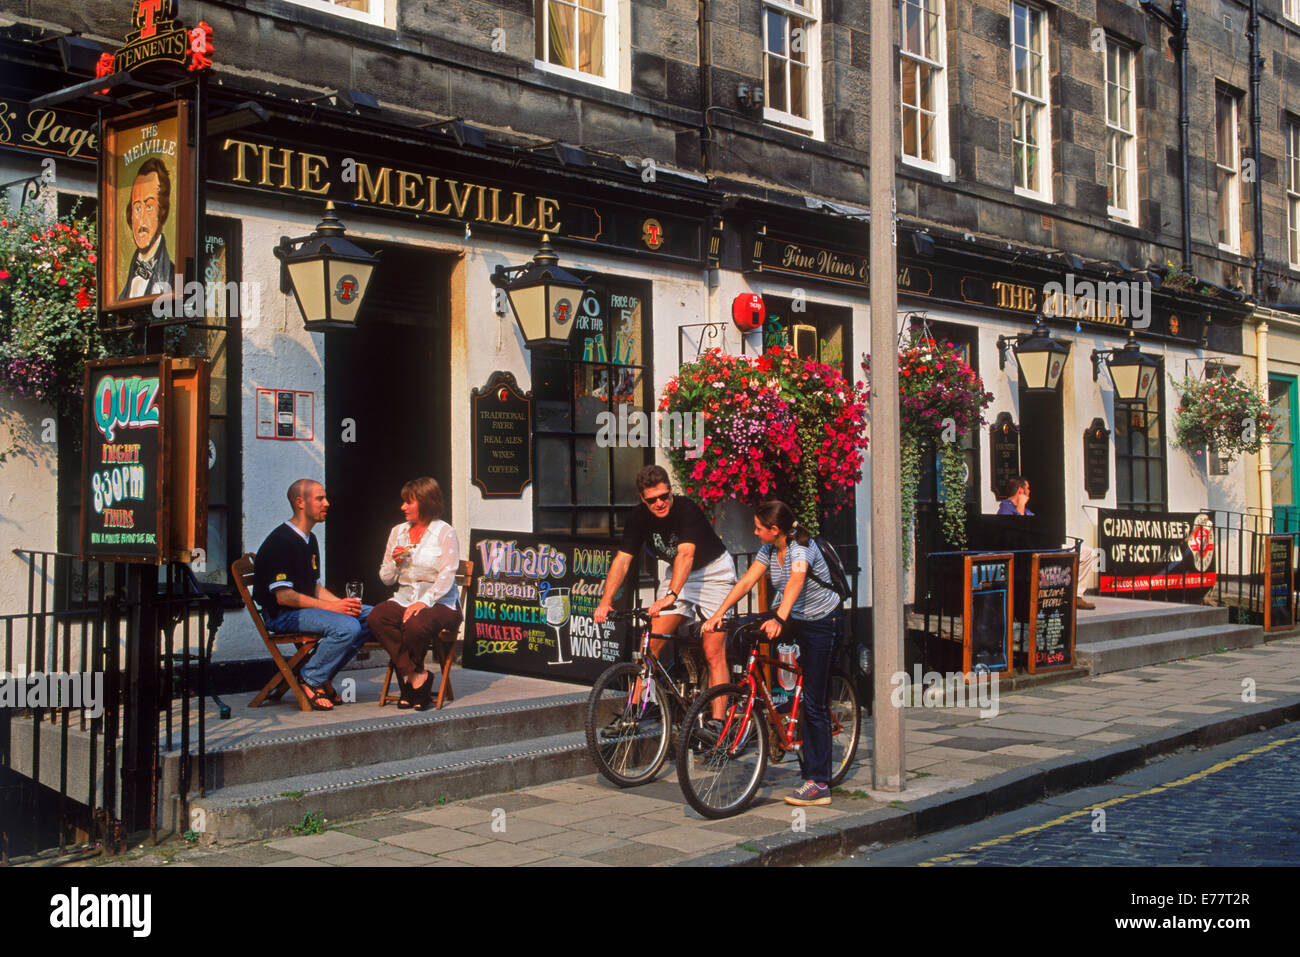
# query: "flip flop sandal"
317, 698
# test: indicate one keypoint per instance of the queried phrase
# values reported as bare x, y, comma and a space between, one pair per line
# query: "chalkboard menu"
1004, 453
1279, 583
1096, 459
530, 607
123, 475
1052, 580
502, 440
986, 619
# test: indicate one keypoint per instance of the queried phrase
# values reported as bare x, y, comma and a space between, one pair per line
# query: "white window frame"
936, 61
809, 11
612, 78
381, 13
1293, 192
1230, 191
1291, 10
1040, 103
1121, 131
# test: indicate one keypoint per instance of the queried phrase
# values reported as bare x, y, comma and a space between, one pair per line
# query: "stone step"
1119, 654
268, 808
1105, 625
395, 736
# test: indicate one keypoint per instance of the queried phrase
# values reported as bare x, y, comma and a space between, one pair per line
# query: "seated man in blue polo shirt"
287, 587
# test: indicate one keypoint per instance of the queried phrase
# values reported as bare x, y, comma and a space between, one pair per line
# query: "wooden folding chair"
286, 676
444, 646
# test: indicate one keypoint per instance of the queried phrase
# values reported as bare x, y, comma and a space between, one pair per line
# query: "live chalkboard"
1279, 585
986, 619
502, 441
529, 609
1004, 452
1052, 579
1096, 459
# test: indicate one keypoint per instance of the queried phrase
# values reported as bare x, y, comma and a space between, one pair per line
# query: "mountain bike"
635, 705
720, 765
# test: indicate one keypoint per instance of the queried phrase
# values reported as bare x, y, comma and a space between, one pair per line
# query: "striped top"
814, 601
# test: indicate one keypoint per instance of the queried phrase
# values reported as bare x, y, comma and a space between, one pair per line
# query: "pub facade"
454, 139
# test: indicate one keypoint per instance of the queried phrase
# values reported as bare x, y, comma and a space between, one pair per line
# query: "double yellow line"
1087, 811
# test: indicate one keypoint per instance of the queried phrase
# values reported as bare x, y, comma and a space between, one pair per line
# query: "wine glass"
556, 604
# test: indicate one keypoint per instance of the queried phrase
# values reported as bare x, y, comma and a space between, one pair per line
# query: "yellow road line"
1206, 772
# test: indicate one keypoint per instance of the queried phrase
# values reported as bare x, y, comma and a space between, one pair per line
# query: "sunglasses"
656, 499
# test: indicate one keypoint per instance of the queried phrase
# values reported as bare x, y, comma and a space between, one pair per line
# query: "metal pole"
886, 531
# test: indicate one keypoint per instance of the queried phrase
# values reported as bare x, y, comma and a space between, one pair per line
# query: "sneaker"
1083, 603
809, 793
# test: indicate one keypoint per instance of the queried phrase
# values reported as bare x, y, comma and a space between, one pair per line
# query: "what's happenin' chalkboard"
531, 603
1052, 578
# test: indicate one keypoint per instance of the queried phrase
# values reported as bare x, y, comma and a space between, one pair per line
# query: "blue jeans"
341, 637
816, 640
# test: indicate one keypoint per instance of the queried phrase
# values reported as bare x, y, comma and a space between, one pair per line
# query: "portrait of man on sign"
150, 269
148, 186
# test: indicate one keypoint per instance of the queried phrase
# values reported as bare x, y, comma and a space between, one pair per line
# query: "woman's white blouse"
429, 573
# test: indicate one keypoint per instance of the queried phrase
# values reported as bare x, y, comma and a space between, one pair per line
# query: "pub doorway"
387, 410
1042, 459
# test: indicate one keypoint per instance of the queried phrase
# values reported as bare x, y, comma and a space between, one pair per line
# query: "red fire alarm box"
747, 311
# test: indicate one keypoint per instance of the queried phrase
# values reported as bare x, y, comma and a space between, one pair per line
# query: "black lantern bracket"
538, 294
330, 245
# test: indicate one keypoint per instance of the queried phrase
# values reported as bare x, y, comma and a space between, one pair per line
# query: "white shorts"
705, 589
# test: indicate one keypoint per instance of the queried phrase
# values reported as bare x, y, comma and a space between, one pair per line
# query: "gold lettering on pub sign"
47, 131
1016, 296
822, 262
296, 171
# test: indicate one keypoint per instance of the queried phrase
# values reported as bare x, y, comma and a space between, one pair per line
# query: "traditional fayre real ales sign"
502, 439
529, 610
1156, 551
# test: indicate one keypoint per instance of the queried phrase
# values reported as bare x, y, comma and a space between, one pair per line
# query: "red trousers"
408, 643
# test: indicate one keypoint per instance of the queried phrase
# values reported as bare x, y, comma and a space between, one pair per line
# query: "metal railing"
72, 772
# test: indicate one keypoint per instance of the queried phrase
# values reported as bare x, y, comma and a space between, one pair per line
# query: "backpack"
839, 582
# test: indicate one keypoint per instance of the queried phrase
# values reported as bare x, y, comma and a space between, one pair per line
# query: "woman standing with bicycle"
806, 613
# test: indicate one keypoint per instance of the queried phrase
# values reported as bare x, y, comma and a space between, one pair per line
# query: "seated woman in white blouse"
421, 557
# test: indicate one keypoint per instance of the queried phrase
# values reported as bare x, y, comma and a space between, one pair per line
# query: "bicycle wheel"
720, 773
627, 738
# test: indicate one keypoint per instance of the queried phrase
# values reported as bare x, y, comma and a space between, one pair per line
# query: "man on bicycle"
675, 530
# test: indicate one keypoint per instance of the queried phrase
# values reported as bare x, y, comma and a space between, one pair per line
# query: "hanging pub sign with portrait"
146, 201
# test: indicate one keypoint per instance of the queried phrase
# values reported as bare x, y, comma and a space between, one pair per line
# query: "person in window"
1017, 503
421, 558
287, 587
675, 530
807, 614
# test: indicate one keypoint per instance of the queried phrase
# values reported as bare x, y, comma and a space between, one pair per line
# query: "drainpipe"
1176, 21
706, 86
1265, 457
1256, 65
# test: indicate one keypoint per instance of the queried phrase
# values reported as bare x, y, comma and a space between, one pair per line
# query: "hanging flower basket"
48, 323
1223, 414
775, 426
940, 400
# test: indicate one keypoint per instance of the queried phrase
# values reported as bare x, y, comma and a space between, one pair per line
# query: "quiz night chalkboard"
1279, 583
124, 471
986, 620
530, 605
1052, 577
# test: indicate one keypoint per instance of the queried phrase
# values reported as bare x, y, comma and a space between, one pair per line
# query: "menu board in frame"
1052, 616
1279, 582
986, 612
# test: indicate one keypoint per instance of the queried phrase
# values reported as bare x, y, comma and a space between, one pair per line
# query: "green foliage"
311, 823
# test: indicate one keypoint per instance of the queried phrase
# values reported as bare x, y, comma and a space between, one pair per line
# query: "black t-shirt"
685, 522
285, 558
